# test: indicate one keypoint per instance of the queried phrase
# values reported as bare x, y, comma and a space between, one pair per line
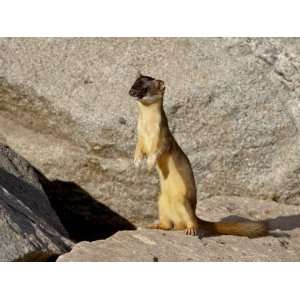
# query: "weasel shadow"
83, 217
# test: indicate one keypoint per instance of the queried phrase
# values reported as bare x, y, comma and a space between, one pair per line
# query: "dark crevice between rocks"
83, 217
38, 256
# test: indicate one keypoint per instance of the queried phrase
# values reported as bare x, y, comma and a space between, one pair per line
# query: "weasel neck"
151, 109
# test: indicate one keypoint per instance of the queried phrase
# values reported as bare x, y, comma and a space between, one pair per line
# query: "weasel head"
147, 90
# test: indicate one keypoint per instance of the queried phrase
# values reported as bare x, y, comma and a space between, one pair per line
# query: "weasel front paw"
137, 162
151, 162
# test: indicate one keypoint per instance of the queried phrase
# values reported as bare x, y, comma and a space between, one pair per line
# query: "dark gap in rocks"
83, 217
38, 256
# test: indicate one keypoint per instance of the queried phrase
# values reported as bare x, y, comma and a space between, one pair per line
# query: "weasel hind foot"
192, 231
159, 226
137, 163
151, 162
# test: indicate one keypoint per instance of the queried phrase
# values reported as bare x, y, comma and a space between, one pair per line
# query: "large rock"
29, 227
233, 106
283, 244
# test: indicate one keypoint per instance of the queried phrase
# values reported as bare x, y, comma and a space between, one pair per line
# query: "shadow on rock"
284, 222
84, 218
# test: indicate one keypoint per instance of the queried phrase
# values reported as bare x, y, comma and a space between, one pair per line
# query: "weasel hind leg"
165, 222
189, 220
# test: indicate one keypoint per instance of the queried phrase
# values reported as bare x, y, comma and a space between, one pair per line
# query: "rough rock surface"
29, 227
283, 244
233, 105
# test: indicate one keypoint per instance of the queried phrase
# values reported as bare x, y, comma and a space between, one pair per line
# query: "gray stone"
283, 243
29, 227
233, 105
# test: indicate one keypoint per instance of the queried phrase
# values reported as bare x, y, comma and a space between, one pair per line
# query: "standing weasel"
177, 199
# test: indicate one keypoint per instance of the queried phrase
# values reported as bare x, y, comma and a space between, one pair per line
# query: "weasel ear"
138, 74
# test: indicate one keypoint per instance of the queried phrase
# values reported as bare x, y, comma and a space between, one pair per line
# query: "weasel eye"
143, 92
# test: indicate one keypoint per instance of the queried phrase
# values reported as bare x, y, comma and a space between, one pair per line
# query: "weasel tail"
250, 229
178, 197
